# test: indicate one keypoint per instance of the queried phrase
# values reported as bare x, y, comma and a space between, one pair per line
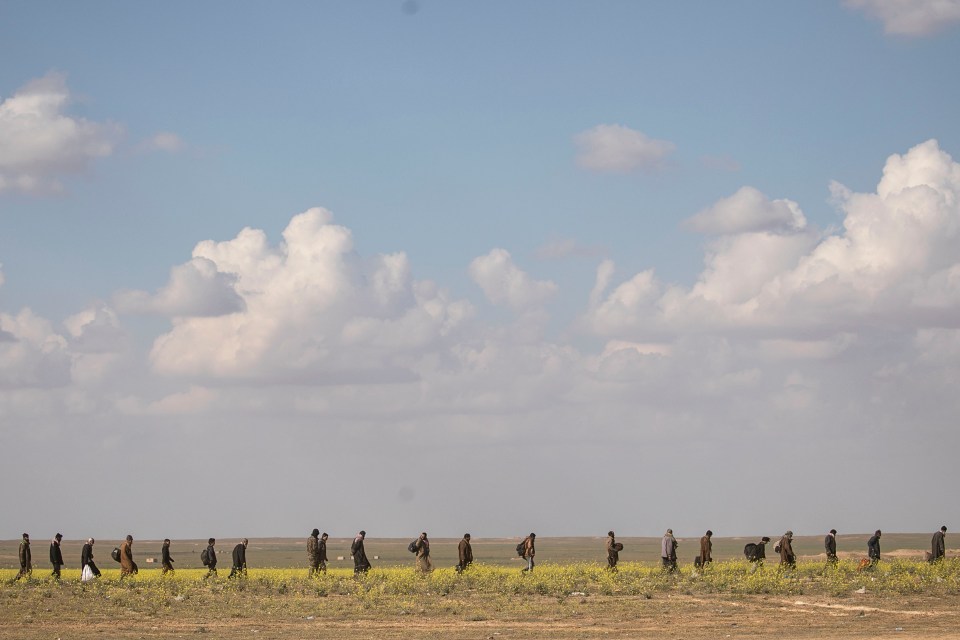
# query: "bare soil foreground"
491, 617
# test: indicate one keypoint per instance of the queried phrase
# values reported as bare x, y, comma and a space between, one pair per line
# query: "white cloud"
311, 307
910, 17
613, 147
39, 143
506, 284
31, 353
748, 210
196, 288
897, 258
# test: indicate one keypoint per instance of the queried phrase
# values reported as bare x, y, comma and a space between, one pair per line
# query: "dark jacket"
466, 552
322, 549
86, 555
26, 558
165, 555
830, 545
786, 550
56, 557
873, 547
240, 556
937, 546
211, 557
360, 562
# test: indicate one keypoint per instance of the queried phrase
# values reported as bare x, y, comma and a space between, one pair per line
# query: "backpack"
115, 554
750, 551
521, 548
412, 547
205, 557
776, 549
618, 547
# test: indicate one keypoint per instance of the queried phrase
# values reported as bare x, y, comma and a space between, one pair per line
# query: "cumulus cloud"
897, 260
196, 288
32, 354
620, 149
40, 143
506, 284
748, 210
910, 17
311, 307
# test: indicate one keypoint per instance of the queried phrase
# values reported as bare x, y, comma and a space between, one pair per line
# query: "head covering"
833, 531
670, 531
315, 533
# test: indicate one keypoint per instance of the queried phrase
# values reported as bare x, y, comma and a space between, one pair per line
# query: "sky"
496, 267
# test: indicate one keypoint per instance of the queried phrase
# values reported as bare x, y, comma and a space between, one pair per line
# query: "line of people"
755, 552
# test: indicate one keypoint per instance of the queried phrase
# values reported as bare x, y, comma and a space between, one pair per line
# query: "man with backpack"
528, 550
360, 562
56, 556
209, 558
26, 558
239, 560
166, 562
785, 549
465, 553
421, 546
756, 552
873, 548
127, 566
613, 551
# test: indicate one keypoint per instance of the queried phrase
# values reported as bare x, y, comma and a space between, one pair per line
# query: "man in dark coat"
313, 553
873, 548
613, 554
86, 558
787, 557
938, 545
830, 545
26, 558
166, 562
360, 562
239, 559
211, 558
706, 548
322, 551
56, 556
465, 551
757, 551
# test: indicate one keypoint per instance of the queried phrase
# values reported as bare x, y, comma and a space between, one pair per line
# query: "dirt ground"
687, 617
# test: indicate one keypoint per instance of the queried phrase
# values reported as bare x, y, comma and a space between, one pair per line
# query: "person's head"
466, 536
943, 528
788, 534
533, 535
58, 537
324, 536
90, 541
833, 532
166, 542
129, 538
363, 534
611, 534
709, 533
315, 533
877, 533
26, 536
669, 532
765, 539
244, 542
212, 541
423, 535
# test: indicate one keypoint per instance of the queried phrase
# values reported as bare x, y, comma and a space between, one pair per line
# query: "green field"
291, 552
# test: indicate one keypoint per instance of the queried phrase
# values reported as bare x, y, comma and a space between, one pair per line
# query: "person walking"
88, 568
424, 564
613, 551
529, 551
360, 562
785, 547
56, 556
706, 549
830, 545
239, 559
873, 548
322, 551
209, 558
465, 553
127, 566
756, 552
668, 551
313, 553
26, 558
938, 545
166, 562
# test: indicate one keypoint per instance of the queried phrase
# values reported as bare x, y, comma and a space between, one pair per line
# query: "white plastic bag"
87, 574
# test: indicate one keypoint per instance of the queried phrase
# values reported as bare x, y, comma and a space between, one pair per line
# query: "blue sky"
531, 162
